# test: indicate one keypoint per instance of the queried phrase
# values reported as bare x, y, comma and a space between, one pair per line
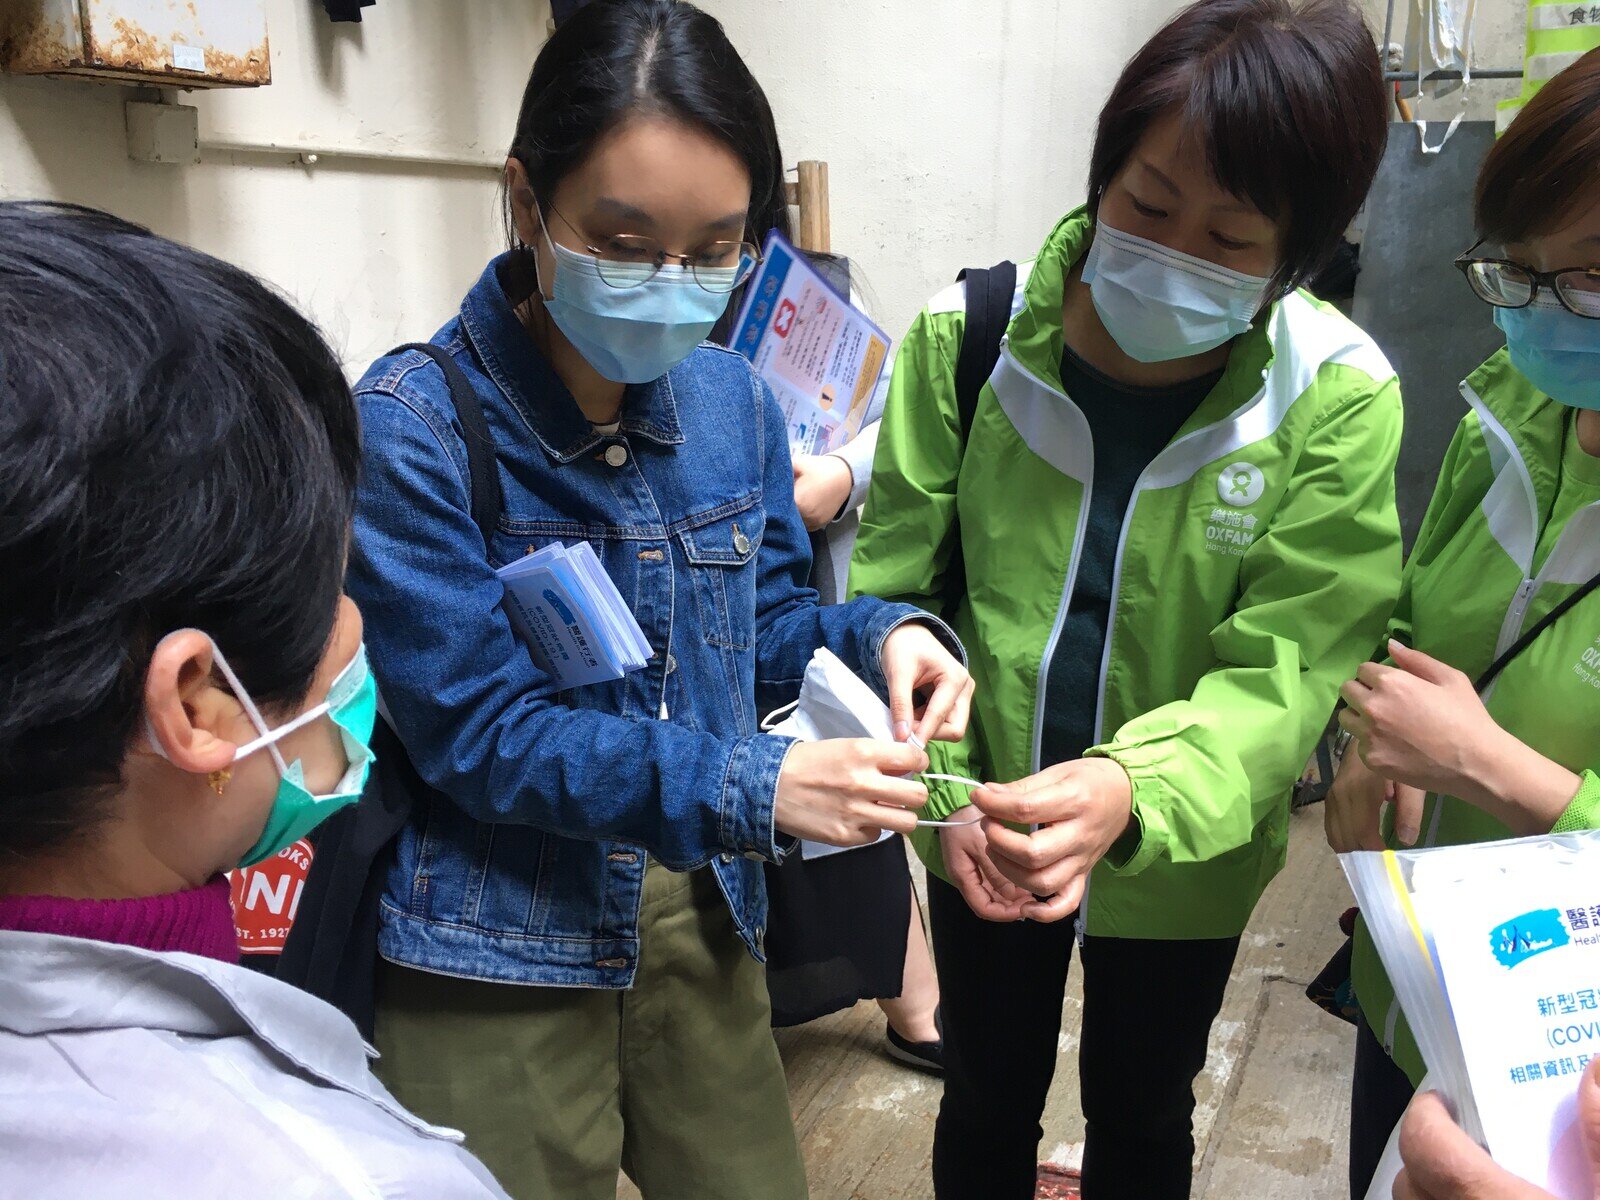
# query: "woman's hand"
1421, 723
1352, 813
966, 860
847, 791
822, 484
915, 660
1443, 1163
1081, 807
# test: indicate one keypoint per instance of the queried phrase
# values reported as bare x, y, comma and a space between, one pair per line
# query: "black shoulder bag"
332, 947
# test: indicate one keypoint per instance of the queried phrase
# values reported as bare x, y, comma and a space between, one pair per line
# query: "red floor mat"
1056, 1183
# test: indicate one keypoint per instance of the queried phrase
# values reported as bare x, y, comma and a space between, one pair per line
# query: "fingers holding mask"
846, 791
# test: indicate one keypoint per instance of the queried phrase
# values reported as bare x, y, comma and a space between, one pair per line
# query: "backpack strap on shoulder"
989, 293
487, 501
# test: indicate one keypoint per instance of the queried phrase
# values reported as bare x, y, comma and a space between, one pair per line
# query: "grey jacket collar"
52, 984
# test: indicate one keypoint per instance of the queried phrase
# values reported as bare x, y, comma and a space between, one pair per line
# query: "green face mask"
352, 705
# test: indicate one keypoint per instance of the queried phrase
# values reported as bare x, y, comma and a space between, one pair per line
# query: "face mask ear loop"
268, 736
271, 739
776, 716
538, 208
962, 779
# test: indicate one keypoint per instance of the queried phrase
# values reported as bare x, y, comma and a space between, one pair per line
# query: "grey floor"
1271, 1117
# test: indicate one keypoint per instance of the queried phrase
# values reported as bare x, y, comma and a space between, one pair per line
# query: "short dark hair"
178, 448
614, 58
1288, 101
1547, 164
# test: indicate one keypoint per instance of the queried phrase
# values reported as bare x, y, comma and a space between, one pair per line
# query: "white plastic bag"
1439, 38
836, 703
1493, 949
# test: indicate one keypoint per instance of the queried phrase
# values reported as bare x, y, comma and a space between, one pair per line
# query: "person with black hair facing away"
185, 692
1173, 511
1480, 721
574, 919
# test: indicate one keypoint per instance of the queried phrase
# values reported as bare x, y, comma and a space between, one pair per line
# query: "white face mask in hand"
835, 703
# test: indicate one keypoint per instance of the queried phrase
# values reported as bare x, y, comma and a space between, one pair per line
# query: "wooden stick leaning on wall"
810, 196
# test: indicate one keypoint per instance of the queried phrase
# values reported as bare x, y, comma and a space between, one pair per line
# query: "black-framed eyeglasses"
627, 260
1507, 284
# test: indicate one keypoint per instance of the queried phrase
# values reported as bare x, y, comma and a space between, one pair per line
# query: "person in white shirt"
185, 691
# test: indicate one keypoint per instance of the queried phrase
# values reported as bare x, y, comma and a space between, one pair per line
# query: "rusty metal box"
182, 43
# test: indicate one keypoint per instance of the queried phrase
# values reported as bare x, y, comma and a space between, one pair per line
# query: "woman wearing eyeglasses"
573, 924
1512, 535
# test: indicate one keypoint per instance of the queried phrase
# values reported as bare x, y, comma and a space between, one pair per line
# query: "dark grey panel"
1414, 303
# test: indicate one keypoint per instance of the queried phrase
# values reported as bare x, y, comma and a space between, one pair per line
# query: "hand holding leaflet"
571, 616
1494, 953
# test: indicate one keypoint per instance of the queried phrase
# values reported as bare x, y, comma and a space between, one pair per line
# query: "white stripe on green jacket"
1258, 564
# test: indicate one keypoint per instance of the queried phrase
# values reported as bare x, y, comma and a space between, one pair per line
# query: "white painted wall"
956, 133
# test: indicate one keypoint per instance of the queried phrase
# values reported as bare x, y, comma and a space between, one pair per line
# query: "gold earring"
219, 779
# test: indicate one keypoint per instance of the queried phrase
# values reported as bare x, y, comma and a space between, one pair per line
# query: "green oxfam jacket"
1257, 568
1470, 589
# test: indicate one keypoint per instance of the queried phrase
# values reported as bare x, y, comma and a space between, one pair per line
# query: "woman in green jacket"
1174, 519
1512, 532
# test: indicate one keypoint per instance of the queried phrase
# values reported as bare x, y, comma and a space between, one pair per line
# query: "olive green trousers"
676, 1081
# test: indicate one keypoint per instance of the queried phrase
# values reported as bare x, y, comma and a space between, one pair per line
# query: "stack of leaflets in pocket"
572, 617
1494, 953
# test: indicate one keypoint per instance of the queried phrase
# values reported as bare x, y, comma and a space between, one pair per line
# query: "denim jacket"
530, 870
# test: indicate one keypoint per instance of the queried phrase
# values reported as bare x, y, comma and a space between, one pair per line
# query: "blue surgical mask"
631, 334
352, 706
1556, 351
1160, 304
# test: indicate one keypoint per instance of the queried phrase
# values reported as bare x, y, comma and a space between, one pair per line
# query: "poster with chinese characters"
1517, 943
819, 354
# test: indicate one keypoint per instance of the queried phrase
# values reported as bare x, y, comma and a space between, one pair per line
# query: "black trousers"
1379, 1095
1147, 1012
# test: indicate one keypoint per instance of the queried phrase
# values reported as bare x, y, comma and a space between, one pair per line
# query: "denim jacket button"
617, 455
727, 858
672, 663
741, 544
754, 857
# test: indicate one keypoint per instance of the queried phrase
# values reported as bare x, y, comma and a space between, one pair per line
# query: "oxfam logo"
1240, 484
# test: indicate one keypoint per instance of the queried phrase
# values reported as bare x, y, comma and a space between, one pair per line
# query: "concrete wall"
956, 133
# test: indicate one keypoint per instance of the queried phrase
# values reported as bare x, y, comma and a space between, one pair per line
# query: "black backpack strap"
1526, 640
487, 500
989, 294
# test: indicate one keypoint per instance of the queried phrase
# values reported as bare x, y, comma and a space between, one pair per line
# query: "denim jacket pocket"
721, 545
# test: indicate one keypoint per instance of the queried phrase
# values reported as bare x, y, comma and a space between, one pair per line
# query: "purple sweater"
198, 921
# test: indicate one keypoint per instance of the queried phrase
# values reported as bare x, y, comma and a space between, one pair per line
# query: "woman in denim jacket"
602, 846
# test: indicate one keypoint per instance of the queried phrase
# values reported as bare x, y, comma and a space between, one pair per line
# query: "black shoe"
924, 1056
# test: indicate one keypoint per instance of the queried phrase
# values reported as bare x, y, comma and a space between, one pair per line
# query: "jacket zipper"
1042, 683
1111, 624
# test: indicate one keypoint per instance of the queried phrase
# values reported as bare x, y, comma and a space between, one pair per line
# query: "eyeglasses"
1507, 284
627, 261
